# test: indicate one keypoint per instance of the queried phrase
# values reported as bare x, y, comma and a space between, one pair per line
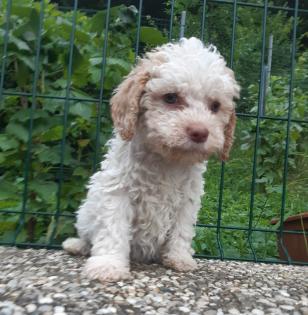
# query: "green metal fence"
58, 68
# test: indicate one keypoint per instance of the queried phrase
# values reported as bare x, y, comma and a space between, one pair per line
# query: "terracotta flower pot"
296, 244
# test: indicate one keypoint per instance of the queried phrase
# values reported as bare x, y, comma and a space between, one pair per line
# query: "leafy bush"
273, 133
63, 109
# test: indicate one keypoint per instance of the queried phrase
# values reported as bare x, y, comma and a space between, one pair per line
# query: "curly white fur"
143, 203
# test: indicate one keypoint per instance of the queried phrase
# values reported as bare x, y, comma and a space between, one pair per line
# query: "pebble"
45, 300
59, 296
287, 307
107, 310
45, 308
266, 302
59, 309
12, 284
216, 288
184, 309
304, 300
30, 308
304, 310
284, 293
131, 301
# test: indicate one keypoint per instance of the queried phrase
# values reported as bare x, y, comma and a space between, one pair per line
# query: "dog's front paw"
106, 269
178, 263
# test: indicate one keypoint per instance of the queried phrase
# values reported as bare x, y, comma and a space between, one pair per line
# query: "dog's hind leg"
76, 246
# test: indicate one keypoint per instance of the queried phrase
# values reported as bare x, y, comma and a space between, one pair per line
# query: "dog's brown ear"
230, 127
229, 136
125, 103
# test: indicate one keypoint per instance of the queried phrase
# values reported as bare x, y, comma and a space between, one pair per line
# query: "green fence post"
171, 20
5, 44
257, 138
101, 91
138, 29
27, 165
64, 123
202, 31
287, 139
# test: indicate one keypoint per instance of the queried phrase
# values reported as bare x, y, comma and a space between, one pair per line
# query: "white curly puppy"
170, 114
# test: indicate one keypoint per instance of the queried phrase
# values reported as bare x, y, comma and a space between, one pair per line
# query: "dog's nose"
197, 134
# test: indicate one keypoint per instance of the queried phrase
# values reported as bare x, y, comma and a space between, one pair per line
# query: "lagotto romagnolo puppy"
174, 110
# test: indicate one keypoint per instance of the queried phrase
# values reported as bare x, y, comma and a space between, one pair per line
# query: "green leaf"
20, 44
23, 115
245, 146
95, 74
82, 172
9, 204
17, 130
78, 60
52, 134
96, 61
21, 9
152, 36
7, 143
98, 21
126, 66
28, 61
30, 29
8, 190
2, 157
276, 189
23, 75
261, 180
82, 143
29, 36
6, 226
81, 109
46, 190
51, 154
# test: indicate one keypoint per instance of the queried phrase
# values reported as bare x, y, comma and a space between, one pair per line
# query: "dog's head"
179, 98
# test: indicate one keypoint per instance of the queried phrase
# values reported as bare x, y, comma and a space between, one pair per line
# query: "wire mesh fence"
59, 66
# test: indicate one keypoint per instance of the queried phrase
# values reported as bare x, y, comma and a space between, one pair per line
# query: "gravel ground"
49, 282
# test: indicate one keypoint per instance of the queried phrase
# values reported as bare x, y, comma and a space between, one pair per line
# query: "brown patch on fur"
229, 136
236, 86
125, 102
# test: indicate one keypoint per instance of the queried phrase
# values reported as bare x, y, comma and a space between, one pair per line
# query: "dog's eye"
215, 106
170, 98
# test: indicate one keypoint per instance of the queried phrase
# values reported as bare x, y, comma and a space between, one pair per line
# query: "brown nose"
197, 134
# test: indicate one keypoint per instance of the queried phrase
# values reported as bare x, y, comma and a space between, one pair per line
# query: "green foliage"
272, 141
46, 113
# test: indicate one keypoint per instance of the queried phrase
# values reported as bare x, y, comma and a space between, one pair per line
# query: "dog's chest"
156, 199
